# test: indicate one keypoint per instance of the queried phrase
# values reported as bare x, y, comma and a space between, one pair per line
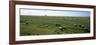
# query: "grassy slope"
44, 25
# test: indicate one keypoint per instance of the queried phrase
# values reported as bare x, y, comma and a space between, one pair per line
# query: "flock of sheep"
62, 28
83, 27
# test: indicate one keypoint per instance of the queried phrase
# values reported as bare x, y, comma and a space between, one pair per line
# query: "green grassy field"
48, 25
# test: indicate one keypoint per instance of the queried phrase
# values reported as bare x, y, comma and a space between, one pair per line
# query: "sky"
43, 12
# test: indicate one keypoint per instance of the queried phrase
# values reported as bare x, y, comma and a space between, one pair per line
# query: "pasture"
48, 25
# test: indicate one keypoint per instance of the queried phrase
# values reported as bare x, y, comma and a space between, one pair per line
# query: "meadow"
48, 25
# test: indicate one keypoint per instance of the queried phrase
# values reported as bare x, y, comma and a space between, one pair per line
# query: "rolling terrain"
48, 25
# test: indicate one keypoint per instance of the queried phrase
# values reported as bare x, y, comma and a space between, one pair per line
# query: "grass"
46, 25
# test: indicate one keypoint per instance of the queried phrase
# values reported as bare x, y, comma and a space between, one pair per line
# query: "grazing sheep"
86, 29
46, 25
82, 26
75, 24
79, 25
62, 28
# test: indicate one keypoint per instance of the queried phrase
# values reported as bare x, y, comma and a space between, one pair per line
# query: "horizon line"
54, 15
